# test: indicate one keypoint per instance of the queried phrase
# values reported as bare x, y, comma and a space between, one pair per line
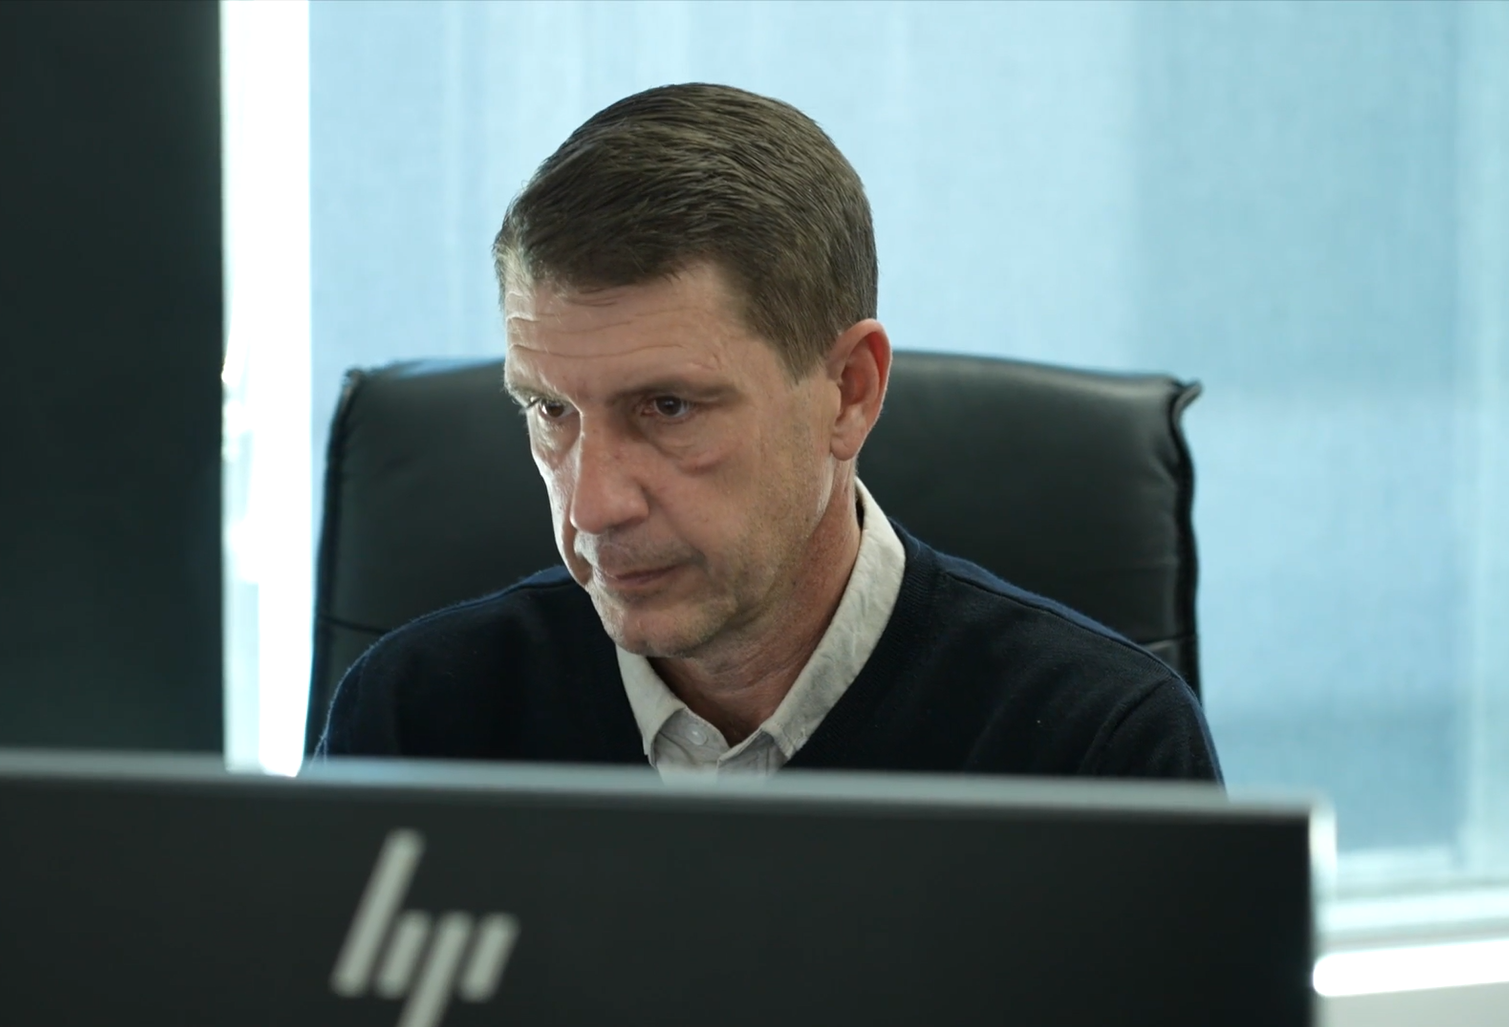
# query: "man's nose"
606, 493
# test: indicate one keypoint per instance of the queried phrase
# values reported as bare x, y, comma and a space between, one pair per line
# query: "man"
689, 289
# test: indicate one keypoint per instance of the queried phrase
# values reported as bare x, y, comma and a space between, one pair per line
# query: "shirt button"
696, 735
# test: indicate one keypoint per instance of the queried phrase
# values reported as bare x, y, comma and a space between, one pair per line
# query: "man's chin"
659, 634
655, 645
648, 649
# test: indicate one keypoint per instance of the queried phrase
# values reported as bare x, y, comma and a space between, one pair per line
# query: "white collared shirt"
676, 740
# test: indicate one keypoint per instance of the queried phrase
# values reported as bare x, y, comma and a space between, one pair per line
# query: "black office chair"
1074, 484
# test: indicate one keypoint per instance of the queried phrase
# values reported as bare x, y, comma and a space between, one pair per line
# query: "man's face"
686, 471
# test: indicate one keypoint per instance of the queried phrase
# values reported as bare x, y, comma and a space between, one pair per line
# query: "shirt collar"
860, 620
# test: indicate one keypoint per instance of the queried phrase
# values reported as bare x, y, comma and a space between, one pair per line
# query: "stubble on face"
728, 505
745, 584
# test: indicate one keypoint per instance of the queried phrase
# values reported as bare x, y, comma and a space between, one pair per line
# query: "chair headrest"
1074, 484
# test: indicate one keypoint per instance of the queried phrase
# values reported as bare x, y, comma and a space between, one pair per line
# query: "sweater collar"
857, 626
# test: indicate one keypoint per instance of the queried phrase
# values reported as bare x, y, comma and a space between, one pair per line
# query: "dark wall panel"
110, 346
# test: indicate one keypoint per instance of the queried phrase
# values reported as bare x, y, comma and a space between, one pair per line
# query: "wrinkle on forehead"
606, 319
680, 315
610, 342
596, 353
555, 325
533, 300
712, 358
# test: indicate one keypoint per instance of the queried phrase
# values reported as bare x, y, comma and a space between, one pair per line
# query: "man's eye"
551, 409
672, 407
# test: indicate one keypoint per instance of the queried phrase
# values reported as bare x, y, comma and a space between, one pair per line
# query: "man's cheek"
559, 494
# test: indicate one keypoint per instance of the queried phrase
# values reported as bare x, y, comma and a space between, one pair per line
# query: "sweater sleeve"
363, 717
1162, 734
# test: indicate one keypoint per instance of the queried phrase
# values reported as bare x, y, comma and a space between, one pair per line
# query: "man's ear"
859, 365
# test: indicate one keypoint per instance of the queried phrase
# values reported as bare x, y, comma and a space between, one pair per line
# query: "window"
1304, 206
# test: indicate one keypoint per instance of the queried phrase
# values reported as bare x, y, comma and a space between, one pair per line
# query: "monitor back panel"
244, 901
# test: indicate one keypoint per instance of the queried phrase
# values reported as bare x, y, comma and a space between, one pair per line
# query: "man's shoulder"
523, 673
1034, 686
539, 607
968, 594
544, 626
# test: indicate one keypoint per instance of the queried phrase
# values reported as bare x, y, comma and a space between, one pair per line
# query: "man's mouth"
636, 579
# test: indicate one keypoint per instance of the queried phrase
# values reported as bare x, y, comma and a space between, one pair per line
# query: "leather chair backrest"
1074, 484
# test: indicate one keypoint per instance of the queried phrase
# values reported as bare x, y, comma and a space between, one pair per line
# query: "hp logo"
425, 958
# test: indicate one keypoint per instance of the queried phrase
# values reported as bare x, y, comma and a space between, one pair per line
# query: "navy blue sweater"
971, 674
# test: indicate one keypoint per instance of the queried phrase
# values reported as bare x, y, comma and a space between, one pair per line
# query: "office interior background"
1303, 205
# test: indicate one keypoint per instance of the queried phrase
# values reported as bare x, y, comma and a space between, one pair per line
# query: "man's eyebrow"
523, 393
675, 387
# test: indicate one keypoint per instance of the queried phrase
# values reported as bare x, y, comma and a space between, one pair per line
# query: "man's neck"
737, 687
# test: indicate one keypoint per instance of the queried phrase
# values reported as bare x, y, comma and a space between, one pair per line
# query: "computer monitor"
167, 891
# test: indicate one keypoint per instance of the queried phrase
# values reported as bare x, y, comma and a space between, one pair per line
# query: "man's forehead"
602, 350
700, 291
543, 303
606, 378
683, 321
561, 369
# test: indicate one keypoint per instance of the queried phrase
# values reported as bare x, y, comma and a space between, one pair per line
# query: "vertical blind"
1305, 206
